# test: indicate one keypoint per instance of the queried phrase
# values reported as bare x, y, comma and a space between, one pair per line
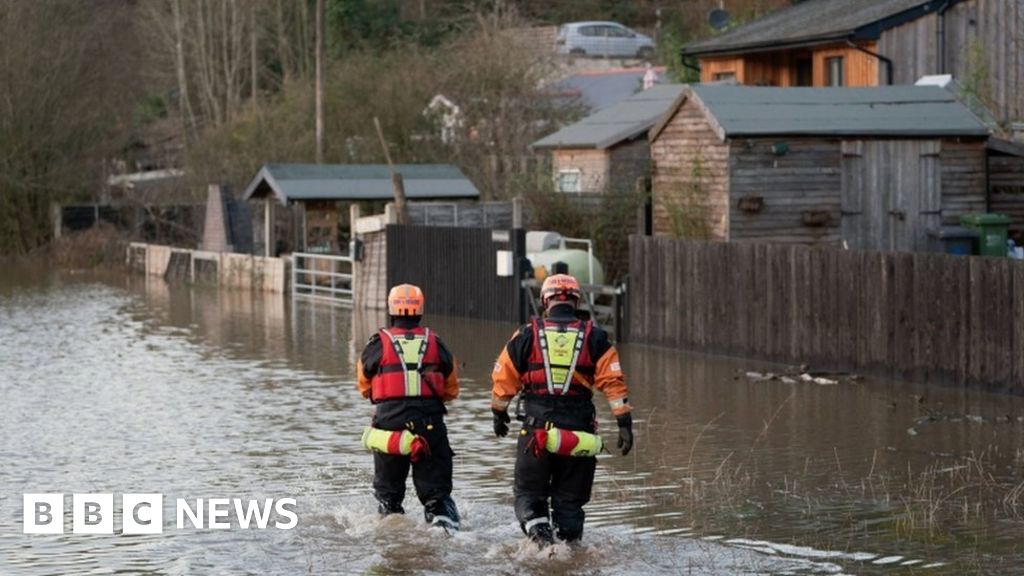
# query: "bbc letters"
144, 513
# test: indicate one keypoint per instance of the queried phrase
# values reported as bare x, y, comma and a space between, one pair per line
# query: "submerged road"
132, 386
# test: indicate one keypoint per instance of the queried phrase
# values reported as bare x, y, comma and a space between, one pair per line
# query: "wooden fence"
913, 316
457, 268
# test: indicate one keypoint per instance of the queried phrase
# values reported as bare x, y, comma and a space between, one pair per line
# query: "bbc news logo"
144, 513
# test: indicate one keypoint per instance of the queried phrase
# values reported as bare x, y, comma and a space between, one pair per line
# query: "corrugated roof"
289, 182
809, 22
623, 121
893, 111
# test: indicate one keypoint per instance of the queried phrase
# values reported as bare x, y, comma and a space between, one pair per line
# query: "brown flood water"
130, 385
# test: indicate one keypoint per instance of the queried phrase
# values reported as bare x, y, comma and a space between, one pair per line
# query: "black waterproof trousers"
564, 480
431, 476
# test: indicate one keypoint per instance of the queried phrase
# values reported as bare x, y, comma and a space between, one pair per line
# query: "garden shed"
607, 151
317, 189
869, 168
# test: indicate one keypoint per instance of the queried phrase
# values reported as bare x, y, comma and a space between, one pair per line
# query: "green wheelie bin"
992, 231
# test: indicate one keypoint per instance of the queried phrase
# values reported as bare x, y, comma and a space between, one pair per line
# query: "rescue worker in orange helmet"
408, 373
556, 363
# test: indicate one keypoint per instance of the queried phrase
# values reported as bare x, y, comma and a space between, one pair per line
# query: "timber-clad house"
851, 43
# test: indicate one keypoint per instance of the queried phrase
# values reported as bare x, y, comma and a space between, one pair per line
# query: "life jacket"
560, 360
410, 365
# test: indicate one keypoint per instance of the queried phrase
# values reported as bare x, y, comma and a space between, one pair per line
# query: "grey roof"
813, 21
626, 120
894, 111
289, 182
599, 90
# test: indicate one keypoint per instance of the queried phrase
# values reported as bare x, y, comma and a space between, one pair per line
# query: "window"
834, 71
570, 180
804, 71
590, 31
724, 76
617, 32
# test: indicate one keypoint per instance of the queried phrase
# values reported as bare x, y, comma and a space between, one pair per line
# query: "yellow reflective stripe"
560, 351
412, 383
411, 356
412, 352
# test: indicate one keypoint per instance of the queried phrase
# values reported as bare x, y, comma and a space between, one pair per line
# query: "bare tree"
319, 81
215, 48
66, 80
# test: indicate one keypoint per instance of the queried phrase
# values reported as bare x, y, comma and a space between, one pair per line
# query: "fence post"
295, 273
57, 217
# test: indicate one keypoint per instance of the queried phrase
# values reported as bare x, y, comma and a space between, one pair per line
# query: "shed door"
891, 194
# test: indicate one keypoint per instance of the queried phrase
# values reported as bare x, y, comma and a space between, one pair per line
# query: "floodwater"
115, 385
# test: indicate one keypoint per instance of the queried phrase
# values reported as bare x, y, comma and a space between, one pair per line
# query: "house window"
834, 71
804, 72
724, 76
569, 181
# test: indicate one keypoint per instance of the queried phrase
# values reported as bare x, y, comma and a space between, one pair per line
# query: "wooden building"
878, 42
316, 189
1006, 183
868, 168
608, 151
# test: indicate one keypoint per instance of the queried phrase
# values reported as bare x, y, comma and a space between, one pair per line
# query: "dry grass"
100, 246
931, 503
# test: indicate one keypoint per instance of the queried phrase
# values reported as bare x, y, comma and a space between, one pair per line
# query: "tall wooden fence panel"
914, 316
457, 268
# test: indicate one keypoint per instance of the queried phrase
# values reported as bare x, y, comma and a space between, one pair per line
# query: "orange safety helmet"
405, 300
559, 288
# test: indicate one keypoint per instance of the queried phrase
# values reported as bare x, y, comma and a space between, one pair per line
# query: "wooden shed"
607, 151
1006, 183
316, 189
877, 42
869, 168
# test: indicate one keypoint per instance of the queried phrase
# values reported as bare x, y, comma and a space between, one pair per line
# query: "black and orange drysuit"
551, 398
409, 383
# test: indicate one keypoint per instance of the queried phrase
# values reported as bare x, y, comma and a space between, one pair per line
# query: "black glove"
501, 420
625, 432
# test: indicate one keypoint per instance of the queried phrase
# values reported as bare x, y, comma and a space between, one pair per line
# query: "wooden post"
353, 217
399, 185
57, 217
268, 227
396, 179
517, 212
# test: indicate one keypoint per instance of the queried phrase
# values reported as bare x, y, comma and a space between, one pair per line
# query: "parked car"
607, 39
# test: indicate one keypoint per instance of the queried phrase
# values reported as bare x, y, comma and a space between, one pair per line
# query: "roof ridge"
623, 70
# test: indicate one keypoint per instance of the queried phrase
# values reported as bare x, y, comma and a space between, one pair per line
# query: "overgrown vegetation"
687, 207
102, 245
68, 99
607, 218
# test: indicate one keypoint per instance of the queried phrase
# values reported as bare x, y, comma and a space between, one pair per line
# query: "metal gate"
322, 277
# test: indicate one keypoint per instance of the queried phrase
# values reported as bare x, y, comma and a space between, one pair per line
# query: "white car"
607, 39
